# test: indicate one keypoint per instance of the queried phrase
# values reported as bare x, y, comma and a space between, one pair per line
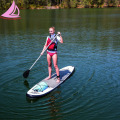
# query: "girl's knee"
49, 64
55, 66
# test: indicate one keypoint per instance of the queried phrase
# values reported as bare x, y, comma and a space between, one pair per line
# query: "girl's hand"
41, 53
59, 33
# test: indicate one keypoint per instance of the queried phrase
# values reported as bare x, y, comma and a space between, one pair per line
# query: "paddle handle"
43, 52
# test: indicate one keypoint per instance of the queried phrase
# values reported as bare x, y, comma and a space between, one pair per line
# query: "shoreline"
54, 7
32, 7
78, 7
61, 4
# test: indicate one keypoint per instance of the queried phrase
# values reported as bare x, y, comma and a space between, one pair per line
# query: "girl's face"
51, 31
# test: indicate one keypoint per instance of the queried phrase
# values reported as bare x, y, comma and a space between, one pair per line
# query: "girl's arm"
61, 39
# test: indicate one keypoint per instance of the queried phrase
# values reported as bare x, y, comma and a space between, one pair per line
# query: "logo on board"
10, 13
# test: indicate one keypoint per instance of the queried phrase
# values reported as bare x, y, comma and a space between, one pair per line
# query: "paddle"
26, 73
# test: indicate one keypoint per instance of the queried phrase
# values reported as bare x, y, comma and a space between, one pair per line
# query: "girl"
52, 52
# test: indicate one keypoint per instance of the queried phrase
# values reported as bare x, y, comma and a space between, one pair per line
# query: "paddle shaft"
43, 52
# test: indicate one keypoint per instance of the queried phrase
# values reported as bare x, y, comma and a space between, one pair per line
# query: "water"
91, 44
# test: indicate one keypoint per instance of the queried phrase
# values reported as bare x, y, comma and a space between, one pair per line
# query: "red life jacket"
53, 46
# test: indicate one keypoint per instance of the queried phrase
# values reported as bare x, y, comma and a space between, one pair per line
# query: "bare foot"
58, 80
47, 78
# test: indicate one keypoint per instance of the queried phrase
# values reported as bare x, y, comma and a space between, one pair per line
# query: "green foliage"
98, 3
3, 4
7, 5
32, 4
86, 3
49, 4
73, 3
66, 3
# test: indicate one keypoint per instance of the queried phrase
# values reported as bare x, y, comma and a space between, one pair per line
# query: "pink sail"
10, 12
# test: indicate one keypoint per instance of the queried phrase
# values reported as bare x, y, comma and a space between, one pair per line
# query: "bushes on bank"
36, 4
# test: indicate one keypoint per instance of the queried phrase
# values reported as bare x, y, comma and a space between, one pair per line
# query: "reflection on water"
91, 44
50, 103
26, 84
53, 106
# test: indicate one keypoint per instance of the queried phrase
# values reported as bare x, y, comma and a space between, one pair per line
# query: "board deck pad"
52, 84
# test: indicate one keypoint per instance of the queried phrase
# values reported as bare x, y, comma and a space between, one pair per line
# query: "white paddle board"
46, 86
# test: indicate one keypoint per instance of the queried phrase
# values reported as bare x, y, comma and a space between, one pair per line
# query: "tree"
73, 3
5, 4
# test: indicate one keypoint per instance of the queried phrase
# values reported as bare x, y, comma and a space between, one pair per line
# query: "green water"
91, 44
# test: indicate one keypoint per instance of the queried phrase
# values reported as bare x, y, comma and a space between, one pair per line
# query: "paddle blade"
26, 73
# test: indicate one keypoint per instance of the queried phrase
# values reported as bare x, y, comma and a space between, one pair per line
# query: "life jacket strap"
54, 48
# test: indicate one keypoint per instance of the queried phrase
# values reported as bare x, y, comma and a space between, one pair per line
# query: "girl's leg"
49, 65
56, 66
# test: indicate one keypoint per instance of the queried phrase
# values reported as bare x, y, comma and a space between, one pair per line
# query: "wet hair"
52, 28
